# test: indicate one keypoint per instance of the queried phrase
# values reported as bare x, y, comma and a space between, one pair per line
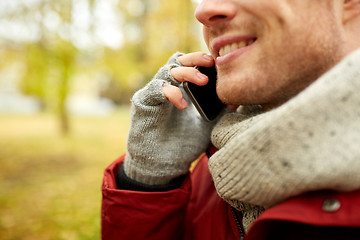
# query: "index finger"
196, 59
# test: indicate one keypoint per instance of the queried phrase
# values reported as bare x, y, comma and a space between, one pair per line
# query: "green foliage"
164, 27
36, 61
152, 31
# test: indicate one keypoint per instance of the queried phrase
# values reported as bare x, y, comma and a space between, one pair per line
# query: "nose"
210, 12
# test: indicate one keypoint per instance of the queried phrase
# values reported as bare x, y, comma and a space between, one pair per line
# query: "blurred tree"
65, 55
48, 50
123, 41
155, 29
171, 28
36, 62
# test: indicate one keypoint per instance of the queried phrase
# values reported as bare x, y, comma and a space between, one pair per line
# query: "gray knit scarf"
312, 142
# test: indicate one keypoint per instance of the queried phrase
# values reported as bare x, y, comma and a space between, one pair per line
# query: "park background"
67, 71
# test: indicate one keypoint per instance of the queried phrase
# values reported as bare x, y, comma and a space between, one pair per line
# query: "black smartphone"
204, 98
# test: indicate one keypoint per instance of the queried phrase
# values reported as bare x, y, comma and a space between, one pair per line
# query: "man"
287, 160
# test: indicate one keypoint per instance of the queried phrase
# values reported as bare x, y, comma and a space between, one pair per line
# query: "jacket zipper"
238, 222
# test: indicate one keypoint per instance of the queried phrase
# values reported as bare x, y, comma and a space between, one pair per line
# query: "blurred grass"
51, 185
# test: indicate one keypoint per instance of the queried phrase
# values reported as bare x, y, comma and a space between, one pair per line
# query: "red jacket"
195, 211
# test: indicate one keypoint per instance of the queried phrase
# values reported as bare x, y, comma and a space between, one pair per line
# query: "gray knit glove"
163, 140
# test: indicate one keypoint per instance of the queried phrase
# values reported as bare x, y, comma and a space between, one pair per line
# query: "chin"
237, 91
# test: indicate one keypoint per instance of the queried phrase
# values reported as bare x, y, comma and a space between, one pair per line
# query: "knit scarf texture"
310, 143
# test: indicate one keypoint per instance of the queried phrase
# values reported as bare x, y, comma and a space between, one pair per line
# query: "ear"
351, 10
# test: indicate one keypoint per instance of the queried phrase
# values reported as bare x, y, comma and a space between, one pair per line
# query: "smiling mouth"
234, 46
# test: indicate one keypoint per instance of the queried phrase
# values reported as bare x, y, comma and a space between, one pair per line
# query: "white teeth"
242, 44
233, 46
222, 52
227, 49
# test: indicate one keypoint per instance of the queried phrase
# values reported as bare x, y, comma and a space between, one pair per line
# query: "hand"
188, 73
166, 135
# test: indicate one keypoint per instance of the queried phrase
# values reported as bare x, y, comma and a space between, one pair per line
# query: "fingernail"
201, 76
208, 57
183, 103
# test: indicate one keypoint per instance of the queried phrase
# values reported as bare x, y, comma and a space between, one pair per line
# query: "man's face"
268, 51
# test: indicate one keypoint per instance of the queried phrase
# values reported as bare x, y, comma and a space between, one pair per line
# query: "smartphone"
204, 98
